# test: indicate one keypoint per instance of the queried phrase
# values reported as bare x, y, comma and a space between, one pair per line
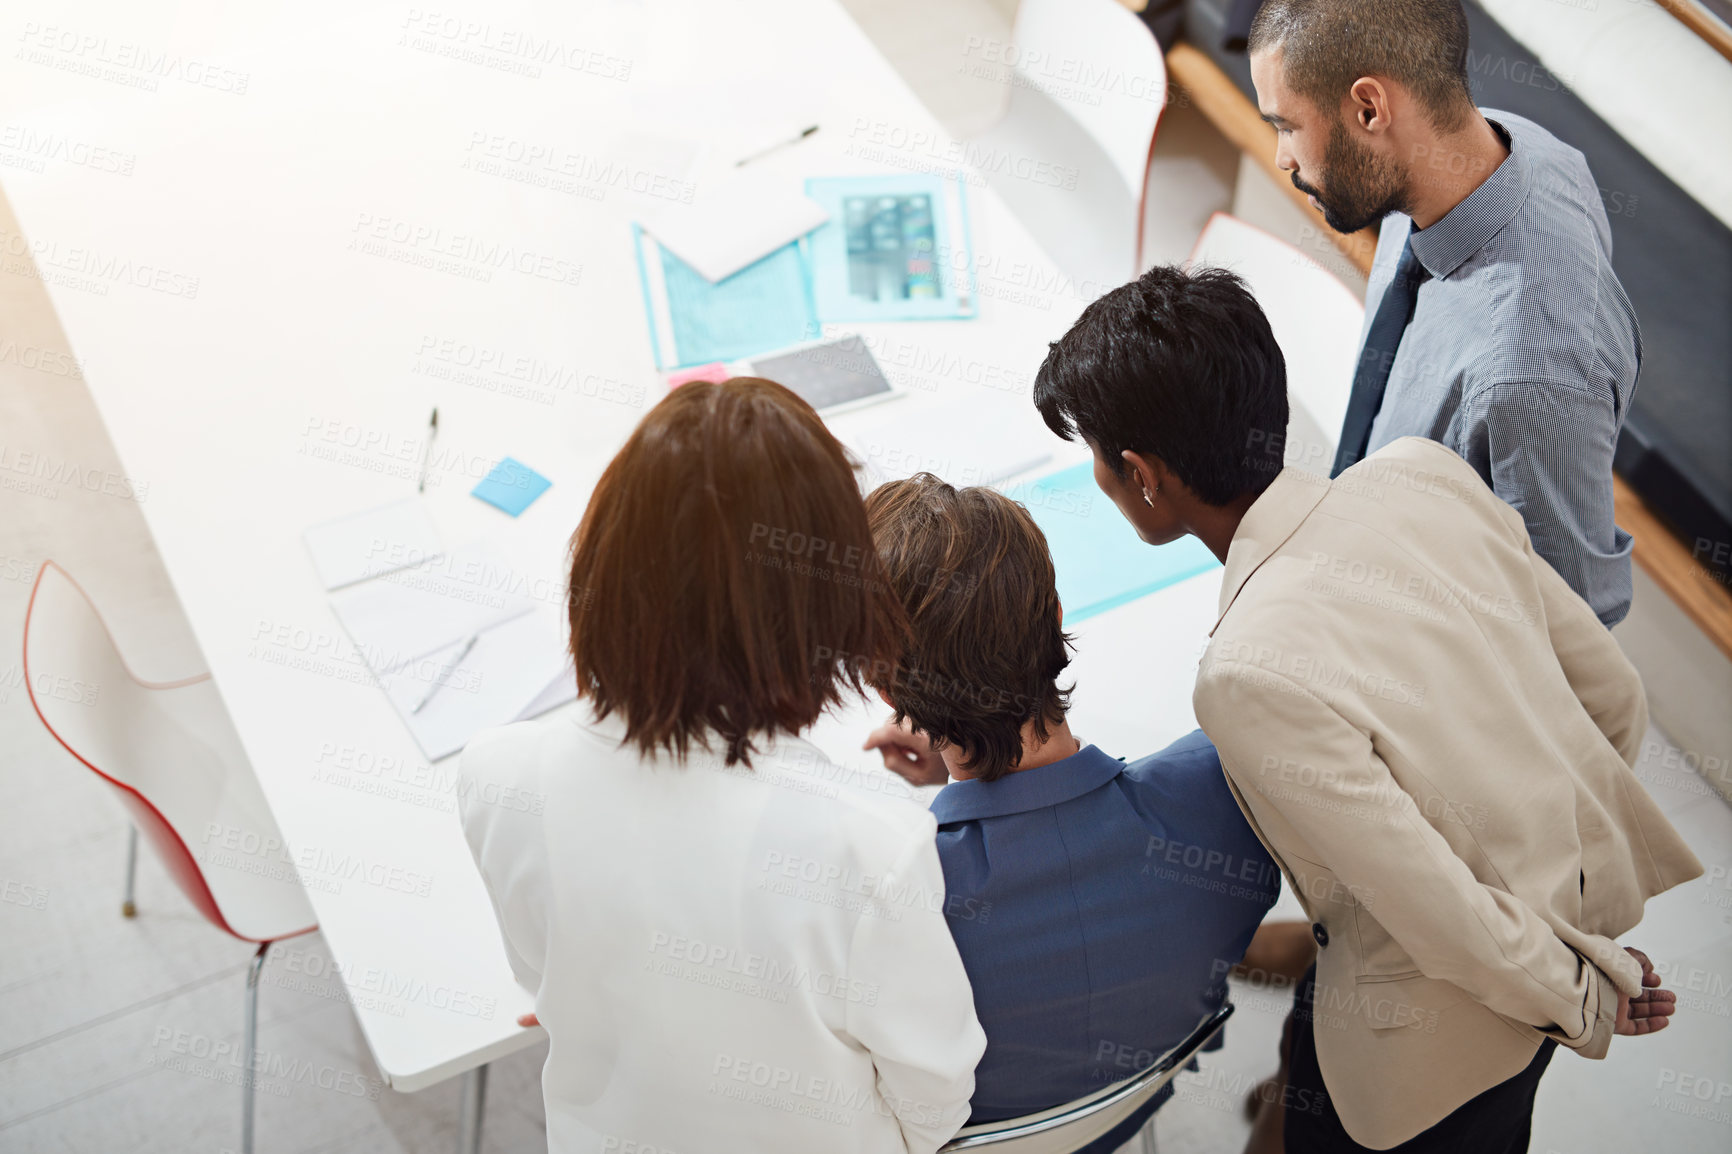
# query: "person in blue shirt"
1098, 906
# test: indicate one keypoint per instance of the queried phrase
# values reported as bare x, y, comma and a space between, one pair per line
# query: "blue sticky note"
1099, 560
512, 486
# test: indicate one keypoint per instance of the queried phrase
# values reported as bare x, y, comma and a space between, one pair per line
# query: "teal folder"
766, 305
1100, 560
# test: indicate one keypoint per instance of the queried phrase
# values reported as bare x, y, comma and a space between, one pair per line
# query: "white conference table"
271, 246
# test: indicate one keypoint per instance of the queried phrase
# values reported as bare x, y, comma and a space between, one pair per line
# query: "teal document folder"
1100, 560
766, 305
895, 248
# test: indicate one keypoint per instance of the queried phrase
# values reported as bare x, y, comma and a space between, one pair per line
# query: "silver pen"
468, 644
427, 449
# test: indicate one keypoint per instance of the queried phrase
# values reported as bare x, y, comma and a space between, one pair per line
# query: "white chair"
176, 763
1071, 154
1316, 320
1070, 1127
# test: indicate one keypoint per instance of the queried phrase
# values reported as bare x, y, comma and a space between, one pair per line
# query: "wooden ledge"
1702, 22
1667, 560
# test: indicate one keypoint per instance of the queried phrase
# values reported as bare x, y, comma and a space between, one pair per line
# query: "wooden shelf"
1667, 560
1660, 554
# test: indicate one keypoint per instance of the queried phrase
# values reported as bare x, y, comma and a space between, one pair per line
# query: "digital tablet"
831, 376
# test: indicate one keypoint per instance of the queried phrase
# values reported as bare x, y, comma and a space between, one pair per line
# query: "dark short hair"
1179, 365
986, 641
723, 580
1328, 44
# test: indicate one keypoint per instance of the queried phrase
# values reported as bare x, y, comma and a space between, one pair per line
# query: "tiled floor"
118, 1035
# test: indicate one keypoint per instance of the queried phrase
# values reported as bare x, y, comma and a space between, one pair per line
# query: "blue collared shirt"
1098, 907
1522, 353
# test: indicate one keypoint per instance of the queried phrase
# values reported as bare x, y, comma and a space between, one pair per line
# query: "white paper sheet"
561, 689
511, 667
372, 542
408, 614
964, 444
735, 221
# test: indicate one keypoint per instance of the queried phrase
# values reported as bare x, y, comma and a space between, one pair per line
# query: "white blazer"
724, 959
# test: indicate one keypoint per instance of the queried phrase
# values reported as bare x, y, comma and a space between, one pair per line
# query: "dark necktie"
1377, 357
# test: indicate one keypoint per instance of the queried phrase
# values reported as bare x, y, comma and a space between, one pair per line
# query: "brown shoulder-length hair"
986, 635
723, 580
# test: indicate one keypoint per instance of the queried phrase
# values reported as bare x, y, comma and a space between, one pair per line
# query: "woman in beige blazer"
730, 948
1431, 733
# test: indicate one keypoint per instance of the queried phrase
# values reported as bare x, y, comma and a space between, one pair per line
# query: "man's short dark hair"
1177, 365
986, 643
1328, 44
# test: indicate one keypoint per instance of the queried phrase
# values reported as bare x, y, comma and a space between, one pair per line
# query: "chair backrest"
1072, 1126
1104, 67
1070, 156
173, 757
1316, 320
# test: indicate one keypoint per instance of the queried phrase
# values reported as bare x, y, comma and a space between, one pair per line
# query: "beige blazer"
1434, 737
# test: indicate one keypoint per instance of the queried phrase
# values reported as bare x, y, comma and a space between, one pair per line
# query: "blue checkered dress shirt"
1522, 353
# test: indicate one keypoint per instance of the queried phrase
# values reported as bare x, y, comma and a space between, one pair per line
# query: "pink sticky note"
715, 372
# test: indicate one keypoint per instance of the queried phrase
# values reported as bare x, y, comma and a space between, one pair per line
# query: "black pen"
804, 133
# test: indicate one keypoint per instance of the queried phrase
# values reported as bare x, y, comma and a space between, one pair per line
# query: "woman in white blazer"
730, 949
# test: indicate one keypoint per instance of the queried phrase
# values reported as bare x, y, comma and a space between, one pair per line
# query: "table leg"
127, 908
469, 1111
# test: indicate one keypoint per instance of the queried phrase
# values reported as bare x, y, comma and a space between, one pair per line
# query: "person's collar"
1465, 229
1271, 519
1030, 789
